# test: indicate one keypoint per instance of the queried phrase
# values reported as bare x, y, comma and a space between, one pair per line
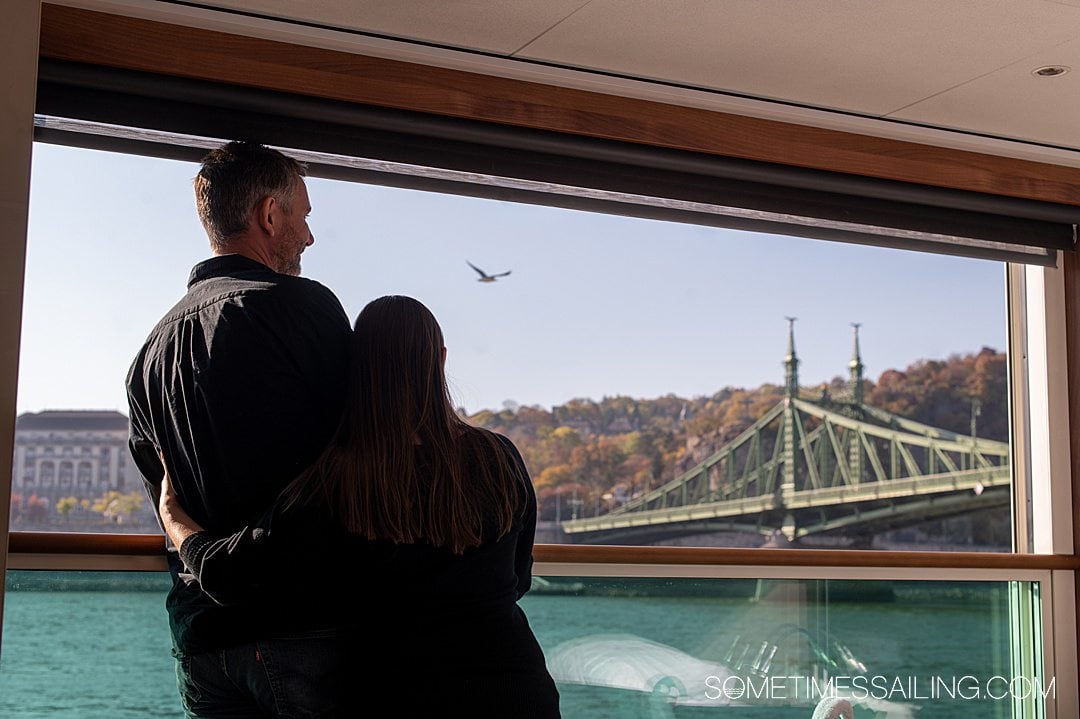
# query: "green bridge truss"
815, 467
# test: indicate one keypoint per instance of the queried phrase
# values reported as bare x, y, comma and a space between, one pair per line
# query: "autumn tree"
117, 507
941, 392
65, 506
37, 509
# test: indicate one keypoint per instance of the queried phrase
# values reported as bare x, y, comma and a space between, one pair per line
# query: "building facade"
72, 453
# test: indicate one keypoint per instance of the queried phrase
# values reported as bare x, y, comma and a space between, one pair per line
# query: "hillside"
596, 453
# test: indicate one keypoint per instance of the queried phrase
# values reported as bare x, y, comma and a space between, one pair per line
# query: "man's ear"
266, 212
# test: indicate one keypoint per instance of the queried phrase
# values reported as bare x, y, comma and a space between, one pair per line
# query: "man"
237, 389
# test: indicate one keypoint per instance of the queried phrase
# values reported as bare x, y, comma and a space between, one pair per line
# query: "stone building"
72, 453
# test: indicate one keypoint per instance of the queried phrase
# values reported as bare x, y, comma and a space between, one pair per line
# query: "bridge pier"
788, 527
550, 532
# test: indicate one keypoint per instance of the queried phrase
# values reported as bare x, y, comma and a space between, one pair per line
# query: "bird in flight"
485, 277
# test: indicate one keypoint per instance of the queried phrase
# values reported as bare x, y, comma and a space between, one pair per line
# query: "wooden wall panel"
93, 37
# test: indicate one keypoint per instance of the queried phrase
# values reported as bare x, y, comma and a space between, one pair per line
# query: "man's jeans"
300, 677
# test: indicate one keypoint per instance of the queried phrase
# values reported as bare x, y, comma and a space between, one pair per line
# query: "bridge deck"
896, 492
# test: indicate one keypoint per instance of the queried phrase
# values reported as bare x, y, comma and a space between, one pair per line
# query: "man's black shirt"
240, 386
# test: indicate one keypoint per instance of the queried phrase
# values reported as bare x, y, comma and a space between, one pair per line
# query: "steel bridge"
817, 467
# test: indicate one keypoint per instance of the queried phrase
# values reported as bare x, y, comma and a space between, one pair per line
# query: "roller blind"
142, 113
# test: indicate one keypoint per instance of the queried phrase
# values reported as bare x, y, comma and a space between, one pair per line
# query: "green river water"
79, 652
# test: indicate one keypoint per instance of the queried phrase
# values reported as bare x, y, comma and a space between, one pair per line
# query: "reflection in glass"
786, 648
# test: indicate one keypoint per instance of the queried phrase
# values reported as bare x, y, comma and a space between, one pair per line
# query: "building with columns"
72, 453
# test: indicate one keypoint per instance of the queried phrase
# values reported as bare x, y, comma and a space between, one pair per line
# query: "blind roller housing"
174, 117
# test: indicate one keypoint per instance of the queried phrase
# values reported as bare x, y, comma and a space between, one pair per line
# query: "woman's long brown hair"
369, 477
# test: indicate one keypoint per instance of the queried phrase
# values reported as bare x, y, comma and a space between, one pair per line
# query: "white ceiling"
955, 64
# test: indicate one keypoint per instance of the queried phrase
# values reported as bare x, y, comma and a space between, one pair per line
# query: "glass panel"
96, 644
87, 645
645, 369
623, 648
104, 261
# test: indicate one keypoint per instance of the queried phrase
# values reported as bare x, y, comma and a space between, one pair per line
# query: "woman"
409, 540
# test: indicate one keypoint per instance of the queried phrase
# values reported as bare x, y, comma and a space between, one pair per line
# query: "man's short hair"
234, 178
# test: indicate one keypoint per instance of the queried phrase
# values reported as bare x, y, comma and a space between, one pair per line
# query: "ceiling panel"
1012, 102
960, 64
867, 57
499, 26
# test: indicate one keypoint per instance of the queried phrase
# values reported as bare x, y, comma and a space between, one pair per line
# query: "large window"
670, 385
667, 383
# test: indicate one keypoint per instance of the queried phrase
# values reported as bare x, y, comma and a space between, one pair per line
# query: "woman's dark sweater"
414, 609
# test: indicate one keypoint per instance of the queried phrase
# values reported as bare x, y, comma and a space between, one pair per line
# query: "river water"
100, 648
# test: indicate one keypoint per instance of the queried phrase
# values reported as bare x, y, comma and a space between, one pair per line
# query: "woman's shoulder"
504, 440
486, 442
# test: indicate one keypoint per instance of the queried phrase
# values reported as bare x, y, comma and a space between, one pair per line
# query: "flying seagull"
485, 277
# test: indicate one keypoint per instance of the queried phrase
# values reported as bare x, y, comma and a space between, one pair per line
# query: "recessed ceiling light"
1050, 70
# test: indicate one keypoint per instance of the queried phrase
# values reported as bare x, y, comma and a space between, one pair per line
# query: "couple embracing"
344, 542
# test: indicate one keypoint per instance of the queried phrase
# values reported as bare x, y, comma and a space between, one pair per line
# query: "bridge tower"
855, 383
790, 426
855, 389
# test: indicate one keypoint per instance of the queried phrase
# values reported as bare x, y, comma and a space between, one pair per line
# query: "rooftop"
67, 420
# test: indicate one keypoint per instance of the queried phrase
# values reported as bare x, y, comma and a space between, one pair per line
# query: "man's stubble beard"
287, 258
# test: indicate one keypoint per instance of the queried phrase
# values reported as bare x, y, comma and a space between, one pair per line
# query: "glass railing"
633, 647
87, 645
96, 644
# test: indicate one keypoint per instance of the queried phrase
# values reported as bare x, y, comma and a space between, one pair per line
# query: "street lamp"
575, 505
976, 410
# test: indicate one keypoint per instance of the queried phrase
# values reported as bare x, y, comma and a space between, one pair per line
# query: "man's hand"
178, 525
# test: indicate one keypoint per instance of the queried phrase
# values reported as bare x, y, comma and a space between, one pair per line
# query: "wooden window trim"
148, 545
92, 37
